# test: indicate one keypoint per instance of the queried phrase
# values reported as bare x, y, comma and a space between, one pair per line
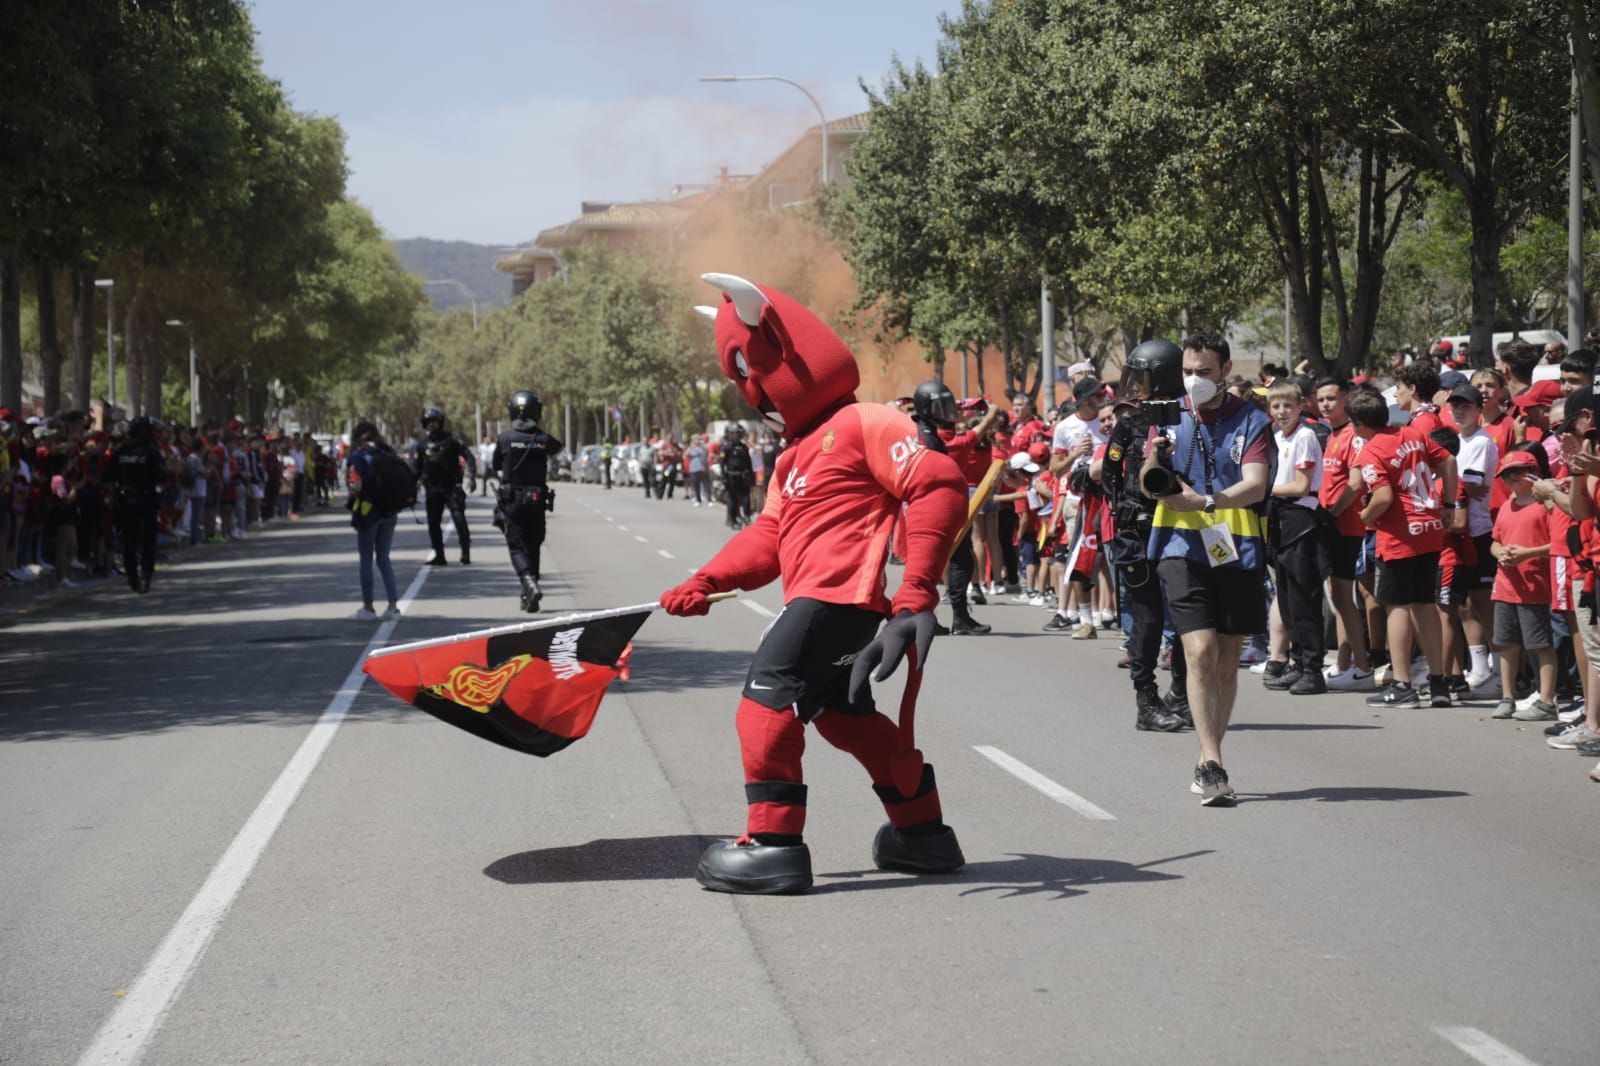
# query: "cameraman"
1206, 538
1152, 380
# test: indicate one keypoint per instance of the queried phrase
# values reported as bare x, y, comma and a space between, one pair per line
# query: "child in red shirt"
1522, 589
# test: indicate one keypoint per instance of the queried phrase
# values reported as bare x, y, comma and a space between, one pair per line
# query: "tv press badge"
1218, 543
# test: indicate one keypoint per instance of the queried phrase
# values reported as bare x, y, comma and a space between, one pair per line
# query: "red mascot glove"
688, 598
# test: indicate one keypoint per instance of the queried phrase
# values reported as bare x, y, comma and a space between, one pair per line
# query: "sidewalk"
18, 599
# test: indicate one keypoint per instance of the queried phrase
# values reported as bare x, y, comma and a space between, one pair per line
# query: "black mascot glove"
890, 646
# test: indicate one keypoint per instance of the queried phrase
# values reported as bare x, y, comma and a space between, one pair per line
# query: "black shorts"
1408, 581
805, 657
1228, 599
1344, 555
1486, 567
1456, 580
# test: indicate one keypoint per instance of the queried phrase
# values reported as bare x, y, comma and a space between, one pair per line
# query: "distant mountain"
471, 264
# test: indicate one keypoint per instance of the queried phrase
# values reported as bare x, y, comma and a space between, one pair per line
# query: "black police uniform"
521, 459
962, 560
738, 477
137, 471
1132, 513
437, 459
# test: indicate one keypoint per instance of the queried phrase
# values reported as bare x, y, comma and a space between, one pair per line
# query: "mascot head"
787, 364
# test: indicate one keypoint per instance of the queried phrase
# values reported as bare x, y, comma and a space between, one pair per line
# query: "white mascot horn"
747, 299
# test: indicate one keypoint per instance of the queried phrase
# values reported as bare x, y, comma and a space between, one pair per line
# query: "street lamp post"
463, 288
110, 285
823, 119
194, 379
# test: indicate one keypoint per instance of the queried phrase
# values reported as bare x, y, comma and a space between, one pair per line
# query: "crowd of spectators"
1452, 561
223, 480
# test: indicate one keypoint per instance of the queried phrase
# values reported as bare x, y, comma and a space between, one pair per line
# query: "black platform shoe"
755, 869
531, 594
917, 853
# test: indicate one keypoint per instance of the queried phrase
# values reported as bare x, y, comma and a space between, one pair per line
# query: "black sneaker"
1311, 683
1438, 692
1059, 623
1211, 785
1284, 679
1556, 728
1399, 694
1274, 668
1459, 689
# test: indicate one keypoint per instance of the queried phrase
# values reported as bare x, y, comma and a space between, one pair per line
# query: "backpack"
393, 488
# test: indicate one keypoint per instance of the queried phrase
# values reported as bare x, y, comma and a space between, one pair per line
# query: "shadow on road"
675, 667
1024, 874
1356, 794
1294, 726
621, 859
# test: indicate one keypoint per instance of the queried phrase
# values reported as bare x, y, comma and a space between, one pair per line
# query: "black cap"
1574, 407
1468, 393
1086, 388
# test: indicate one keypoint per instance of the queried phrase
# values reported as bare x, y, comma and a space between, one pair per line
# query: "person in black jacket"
521, 460
437, 459
137, 472
738, 476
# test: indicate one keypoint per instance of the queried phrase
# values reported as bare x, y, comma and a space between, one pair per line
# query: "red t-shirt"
1425, 419
1405, 459
1560, 521
1527, 526
1337, 458
965, 449
1026, 433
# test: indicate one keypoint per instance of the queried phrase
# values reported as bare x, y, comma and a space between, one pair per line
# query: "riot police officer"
1152, 381
137, 472
521, 458
933, 409
437, 460
738, 476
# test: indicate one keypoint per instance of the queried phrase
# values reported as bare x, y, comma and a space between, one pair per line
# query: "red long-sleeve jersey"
831, 506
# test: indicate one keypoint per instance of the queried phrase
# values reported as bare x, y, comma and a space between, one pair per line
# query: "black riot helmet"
524, 406
1155, 369
432, 413
934, 402
140, 429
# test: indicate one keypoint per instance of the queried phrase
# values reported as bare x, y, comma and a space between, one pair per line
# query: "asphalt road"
193, 871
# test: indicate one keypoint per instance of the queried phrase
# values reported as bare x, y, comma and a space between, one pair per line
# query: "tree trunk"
44, 275
10, 332
83, 335
1485, 278
133, 351
1583, 57
155, 367
977, 355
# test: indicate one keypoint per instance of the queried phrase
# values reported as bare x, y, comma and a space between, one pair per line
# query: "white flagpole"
542, 623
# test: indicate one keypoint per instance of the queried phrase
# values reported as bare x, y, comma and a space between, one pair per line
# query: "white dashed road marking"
640, 539
665, 554
758, 609
1482, 1047
1058, 792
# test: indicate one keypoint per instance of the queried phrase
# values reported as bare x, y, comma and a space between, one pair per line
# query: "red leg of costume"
873, 739
771, 744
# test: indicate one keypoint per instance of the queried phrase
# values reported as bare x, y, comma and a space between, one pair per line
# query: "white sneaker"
1476, 680
1572, 712
1526, 704
1260, 667
365, 614
1351, 680
392, 614
67, 583
1036, 600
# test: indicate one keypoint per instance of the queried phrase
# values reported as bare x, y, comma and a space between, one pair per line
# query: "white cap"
1021, 461
1081, 368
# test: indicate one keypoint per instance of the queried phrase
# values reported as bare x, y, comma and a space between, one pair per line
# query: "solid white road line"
1028, 775
757, 608
1482, 1047
665, 554
124, 1036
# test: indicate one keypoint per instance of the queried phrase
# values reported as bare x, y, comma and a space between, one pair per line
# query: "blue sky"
489, 120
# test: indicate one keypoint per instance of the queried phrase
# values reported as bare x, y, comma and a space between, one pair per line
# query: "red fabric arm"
936, 506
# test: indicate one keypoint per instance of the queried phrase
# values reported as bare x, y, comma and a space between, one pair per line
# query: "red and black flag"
533, 687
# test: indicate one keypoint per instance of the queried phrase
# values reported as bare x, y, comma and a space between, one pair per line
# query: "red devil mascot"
832, 502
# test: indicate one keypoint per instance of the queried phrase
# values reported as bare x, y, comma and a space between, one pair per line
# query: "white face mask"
1201, 390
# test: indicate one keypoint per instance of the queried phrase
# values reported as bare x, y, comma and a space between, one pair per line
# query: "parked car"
586, 467
561, 466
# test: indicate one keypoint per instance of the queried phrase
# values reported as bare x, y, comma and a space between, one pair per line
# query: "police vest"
1208, 458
